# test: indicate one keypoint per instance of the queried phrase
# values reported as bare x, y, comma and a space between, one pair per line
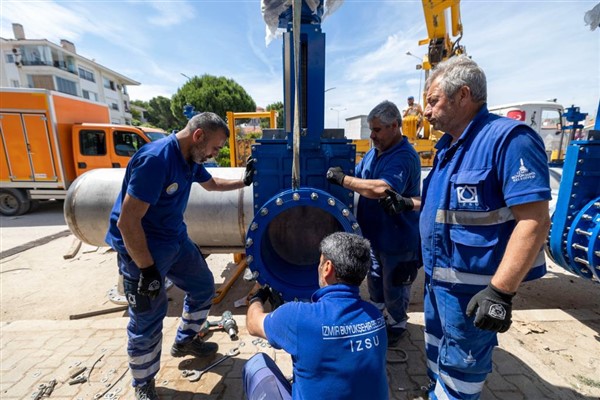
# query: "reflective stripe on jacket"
466, 222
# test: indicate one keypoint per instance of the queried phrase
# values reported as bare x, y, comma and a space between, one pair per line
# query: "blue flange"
282, 243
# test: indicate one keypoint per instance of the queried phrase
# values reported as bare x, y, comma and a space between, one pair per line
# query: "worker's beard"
198, 152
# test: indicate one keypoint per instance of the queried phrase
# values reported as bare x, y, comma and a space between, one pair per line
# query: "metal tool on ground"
99, 395
93, 365
227, 323
77, 380
44, 390
77, 376
195, 375
78, 371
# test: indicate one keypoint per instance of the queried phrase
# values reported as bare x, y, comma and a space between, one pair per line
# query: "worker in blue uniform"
150, 237
391, 166
484, 220
337, 341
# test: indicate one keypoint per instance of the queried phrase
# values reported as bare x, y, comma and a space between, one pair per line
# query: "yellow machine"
240, 149
362, 146
442, 44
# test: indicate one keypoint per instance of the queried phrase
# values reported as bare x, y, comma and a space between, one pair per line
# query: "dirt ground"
556, 319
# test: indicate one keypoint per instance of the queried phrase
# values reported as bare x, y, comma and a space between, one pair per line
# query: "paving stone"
23, 388
30, 357
488, 394
496, 382
56, 341
506, 363
531, 388
234, 389
284, 362
13, 358
236, 367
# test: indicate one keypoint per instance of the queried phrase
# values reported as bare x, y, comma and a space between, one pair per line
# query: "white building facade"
38, 63
357, 127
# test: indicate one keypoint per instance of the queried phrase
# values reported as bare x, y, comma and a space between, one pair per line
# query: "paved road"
551, 352
47, 220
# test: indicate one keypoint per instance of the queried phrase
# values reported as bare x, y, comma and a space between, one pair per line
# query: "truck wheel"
13, 202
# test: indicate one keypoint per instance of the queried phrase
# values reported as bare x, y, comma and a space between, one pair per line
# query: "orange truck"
49, 139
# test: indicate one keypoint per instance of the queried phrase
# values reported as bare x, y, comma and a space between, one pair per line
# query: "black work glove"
394, 204
494, 309
263, 294
249, 173
276, 300
335, 176
266, 293
150, 282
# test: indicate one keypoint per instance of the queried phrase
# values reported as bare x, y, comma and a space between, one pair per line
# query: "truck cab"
105, 145
544, 117
153, 134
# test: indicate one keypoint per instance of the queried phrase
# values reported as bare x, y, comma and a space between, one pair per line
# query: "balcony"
62, 65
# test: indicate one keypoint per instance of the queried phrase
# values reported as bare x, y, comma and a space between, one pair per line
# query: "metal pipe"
216, 221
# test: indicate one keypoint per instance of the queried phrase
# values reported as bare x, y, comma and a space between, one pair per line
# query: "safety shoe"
196, 347
394, 336
146, 392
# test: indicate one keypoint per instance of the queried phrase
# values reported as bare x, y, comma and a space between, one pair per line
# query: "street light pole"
419, 66
325, 98
185, 76
408, 53
338, 110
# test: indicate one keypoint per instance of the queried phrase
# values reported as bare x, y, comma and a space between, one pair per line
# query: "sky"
529, 50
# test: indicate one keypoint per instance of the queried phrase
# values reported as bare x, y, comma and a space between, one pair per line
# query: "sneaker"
146, 392
196, 347
394, 336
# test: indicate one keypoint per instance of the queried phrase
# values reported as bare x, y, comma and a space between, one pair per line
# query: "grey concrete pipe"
216, 221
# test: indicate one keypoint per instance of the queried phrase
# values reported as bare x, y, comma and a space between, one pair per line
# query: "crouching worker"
337, 341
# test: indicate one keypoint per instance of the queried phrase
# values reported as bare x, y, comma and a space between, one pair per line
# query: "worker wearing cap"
413, 109
337, 341
392, 165
484, 221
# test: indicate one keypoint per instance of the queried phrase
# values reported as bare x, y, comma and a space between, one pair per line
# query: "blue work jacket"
338, 345
399, 167
466, 221
158, 175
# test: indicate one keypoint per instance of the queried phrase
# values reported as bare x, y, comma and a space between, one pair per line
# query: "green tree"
224, 158
160, 115
211, 93
277, 106
136, 114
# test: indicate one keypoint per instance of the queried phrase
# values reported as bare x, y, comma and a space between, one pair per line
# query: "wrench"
195, 375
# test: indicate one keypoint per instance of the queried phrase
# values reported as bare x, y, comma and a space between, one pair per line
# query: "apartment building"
39, 63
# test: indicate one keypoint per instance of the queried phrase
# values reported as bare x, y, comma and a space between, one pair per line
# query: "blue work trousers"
389, 282
459, 355
184, 265
264, 380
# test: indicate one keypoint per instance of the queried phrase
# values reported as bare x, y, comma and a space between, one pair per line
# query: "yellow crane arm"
441, 44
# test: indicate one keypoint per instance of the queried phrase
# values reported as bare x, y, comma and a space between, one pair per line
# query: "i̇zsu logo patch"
172, 188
